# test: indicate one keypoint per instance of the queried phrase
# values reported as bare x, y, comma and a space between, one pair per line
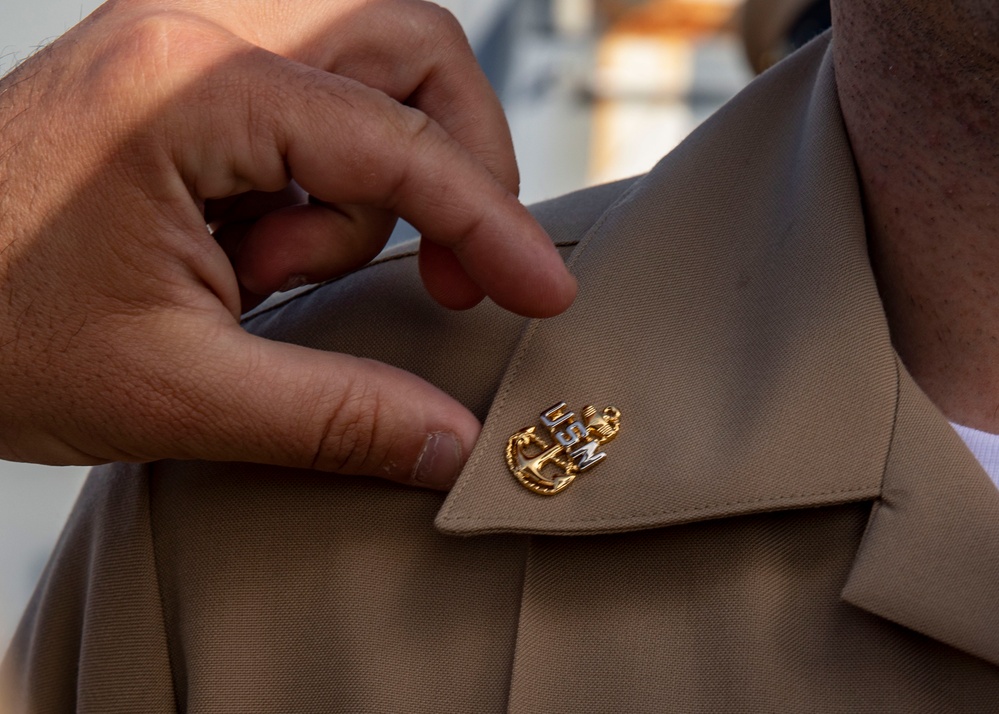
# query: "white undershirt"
984, 446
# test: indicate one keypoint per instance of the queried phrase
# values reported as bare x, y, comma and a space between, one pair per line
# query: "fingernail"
294, 281
440, 461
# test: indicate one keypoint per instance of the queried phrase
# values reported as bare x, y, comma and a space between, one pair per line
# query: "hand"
119, 332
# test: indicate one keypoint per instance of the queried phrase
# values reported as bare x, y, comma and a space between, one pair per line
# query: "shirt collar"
728, 309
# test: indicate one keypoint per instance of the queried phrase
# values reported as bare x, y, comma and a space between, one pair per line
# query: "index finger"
416, 170
347, 143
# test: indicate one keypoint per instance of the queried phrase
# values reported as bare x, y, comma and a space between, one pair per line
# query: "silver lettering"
572, 434
585, 456
556, 415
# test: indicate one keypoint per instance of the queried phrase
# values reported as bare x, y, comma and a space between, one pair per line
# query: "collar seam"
894, 426
862, 493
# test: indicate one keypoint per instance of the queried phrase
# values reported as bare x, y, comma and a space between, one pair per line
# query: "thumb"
276, 403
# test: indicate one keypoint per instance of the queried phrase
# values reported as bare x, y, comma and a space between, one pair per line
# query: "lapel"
728, 309
929, 558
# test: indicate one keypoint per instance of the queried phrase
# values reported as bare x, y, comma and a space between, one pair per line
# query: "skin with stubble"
298, 132
919, 86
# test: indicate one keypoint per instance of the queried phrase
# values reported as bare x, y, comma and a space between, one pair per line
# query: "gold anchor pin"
549, 468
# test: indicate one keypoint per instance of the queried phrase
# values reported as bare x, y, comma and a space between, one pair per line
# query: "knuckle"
140, 39
443, 26
418, 127
155, 50
443, 38
419, 135
393, 153
348, 442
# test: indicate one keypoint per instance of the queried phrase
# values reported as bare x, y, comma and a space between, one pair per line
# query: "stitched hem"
859, 493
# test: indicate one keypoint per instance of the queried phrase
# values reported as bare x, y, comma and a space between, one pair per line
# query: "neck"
921, 103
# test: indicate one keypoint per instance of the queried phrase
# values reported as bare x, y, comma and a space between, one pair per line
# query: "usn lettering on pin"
548, 468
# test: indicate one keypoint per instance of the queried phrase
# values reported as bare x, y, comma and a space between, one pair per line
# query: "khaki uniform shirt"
783, 523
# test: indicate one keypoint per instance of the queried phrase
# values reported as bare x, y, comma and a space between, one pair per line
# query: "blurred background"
595, 90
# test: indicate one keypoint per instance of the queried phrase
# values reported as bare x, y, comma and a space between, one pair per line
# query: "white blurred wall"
28, 24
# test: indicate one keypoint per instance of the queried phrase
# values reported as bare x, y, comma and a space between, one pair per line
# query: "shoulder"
566, 218
382, 312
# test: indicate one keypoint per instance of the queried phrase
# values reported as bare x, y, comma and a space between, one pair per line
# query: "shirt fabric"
984, 446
